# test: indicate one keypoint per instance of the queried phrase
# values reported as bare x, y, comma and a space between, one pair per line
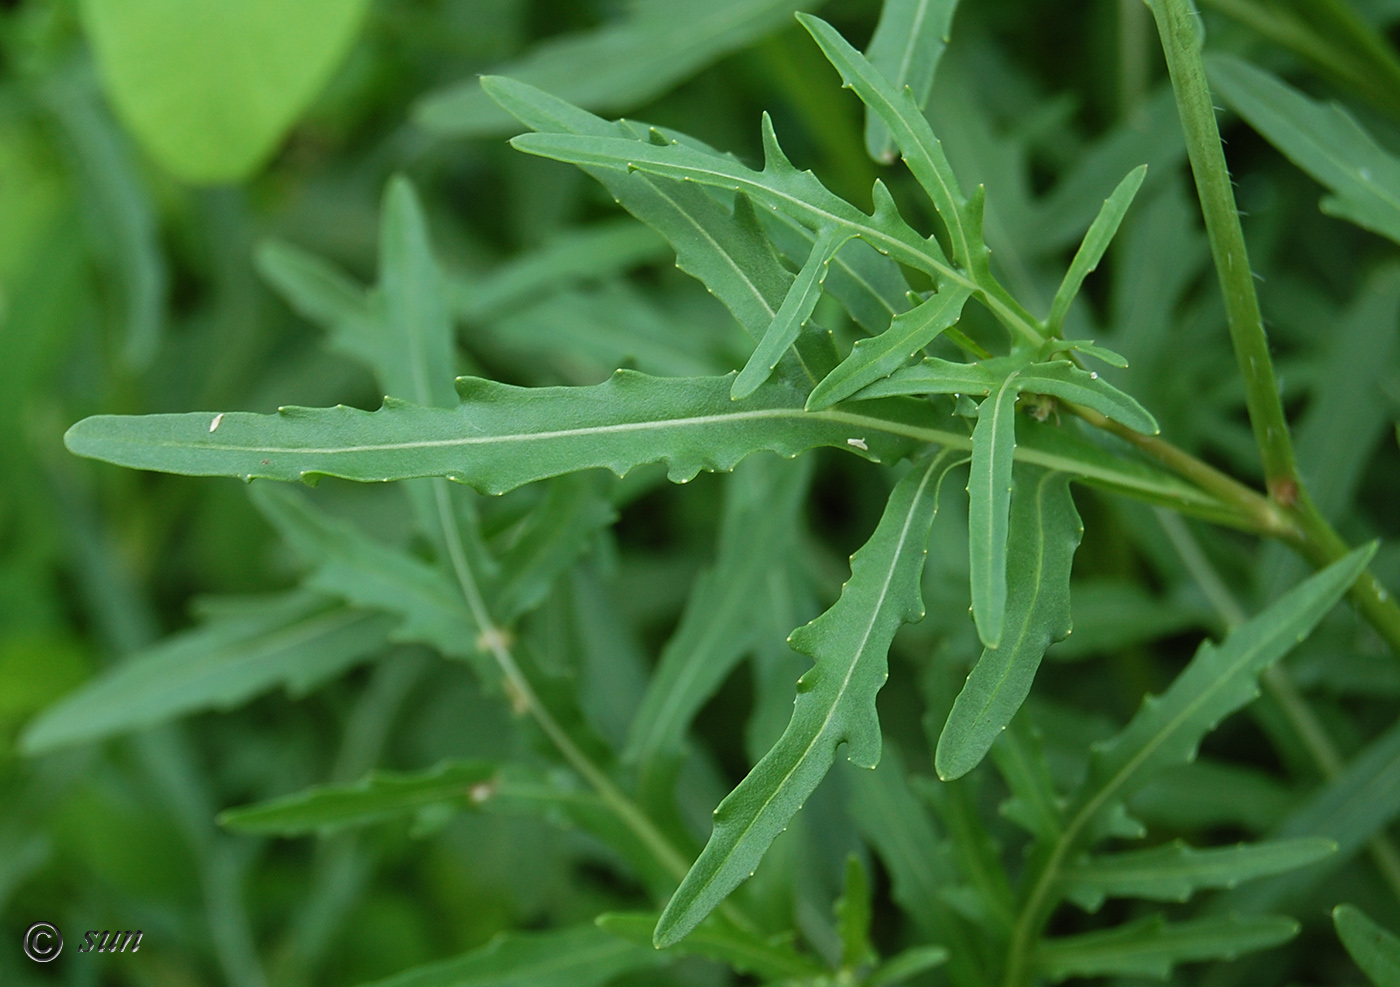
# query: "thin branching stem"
1176, 23
524, 697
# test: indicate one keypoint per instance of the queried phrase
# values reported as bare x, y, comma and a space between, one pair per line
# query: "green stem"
1176, 24
523, 696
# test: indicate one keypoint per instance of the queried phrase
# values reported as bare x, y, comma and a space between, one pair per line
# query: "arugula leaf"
779, 185
1092, 249
899, 110
1219, 680
499, 438
989, 508
835, 700
243, 649
723, 247
796, 309
879, 356
1058, 378
582, 956
1176, 871
1044, 532
906, 48
1324, 141
1375, 950
1151, 947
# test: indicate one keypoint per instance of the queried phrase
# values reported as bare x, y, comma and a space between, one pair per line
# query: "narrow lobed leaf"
500, 436
1045, 530
1176, 871
879, 356
378, 796
909, 128
246, 648
1063, 379
1151, 947
1095, 243
835, 700
1219, 680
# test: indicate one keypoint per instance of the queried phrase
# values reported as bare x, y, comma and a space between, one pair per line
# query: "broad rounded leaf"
210, 88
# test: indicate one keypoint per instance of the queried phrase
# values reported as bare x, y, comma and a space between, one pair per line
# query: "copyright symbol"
43, 942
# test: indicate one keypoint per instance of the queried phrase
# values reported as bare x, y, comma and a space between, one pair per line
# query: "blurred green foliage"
130, 284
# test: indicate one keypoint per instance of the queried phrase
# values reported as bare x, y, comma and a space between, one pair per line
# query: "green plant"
941, 370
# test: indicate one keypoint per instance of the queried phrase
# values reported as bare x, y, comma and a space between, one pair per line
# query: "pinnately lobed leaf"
1375, 950
1151, 947
1176, 871
377, 796
909, 128
1044, 532
835, 700
1219, 680
498, 438
879, 356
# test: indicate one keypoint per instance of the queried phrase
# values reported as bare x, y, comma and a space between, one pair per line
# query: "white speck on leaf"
858, 443
215, 423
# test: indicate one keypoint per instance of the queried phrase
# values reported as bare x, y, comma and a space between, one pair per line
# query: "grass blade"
1044, 532
989, 508
835, 700
1091, 250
